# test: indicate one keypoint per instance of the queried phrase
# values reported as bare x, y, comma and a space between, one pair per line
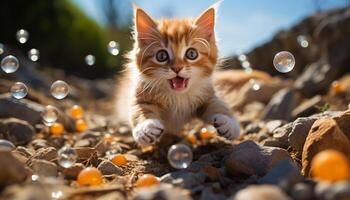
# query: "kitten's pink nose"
176, 69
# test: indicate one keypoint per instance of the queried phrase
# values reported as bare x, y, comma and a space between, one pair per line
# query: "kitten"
168, 80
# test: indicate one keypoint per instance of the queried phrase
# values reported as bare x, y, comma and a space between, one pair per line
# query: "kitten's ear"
206, 21
145, 26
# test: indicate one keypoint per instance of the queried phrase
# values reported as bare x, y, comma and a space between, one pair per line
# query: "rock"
115, 195
84, 153
340, 191
39, 143
11, 170
281, 134
163, 191
184, 179
26, 152
252, 128
280, 106
249, 158
309, 107
272, 142
208, 194
82, 143
17, 131
285, 174
73, 171
262, 192
323, 190
44, 168
273, 125
343, 121
108, 168
25, 109
6, 145
48, 154
299, 132
302, 191
324, 134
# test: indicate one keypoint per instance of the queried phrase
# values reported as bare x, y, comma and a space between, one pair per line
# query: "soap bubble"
242, 57
19, 90
302, 40
113, 48
9, 64
59, 89
246, 64
6, 145
50, 114
284, 61
2, 48
67, 156
90, 60
255, 85
22, 36
33, 54
180, 156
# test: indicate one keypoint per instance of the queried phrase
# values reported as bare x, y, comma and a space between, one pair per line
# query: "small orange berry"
330, 165
205, 134
90, 176
80, 125
337, 87
119, 160
56, 129
191, 138
147, 180
108, 138
76, 112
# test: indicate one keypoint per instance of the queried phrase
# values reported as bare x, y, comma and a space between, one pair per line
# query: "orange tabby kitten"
168, 79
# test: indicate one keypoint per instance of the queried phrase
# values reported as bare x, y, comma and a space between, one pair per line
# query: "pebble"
44, 168
17, 131
300, 131
261, 192
49, 154
302, 191
11, 170
108, 168
280, 106
73, 171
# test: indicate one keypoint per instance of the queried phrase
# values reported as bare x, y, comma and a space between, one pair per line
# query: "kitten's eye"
162, 56
191, 54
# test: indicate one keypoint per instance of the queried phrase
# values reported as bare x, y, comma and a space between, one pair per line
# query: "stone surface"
299, 132
343, 121
11, 170
184, 179
108, 168
6, 145
39, 143
73, 171
280, 106
302, 191
262, 192
249, 158
163, 191
324, 134
49, 154
44, 168
308, 107
17, 131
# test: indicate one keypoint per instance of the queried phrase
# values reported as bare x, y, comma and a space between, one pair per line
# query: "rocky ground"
284, 124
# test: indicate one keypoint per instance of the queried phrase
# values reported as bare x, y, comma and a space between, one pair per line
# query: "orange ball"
205, 134
330, 165
80, 125
108, 138
56, 129
76, 112
147, 180
90, 176
191, 138
337, 87
119, 160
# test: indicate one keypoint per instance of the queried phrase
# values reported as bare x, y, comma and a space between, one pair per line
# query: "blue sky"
241, 24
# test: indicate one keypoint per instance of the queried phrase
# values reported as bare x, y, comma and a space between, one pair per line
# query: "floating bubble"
2, 48
19, 90
59, 89
50, 114
35, 177
254, 84
246, 64
284, 61
34, 54
113, 48
22, 36
302, 40
67, 156
90, 60
6, 145
9, 64
180, 156
248, 70
242, 57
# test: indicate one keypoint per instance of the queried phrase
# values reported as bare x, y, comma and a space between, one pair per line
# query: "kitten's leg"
217, 114
146, 123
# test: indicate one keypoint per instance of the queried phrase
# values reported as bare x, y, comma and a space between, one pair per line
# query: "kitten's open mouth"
178, 83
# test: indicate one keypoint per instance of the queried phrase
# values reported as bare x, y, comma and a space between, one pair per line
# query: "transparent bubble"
284, 61
34, 54
246, 64
248, 70
67, 156
57, 194
302, 40
90, 60
19, 90
113, 48
180, 156
59, 89
9, 64
35, 177
242, 57
22, 36
6, 145
50, 114
255, 85
2, 48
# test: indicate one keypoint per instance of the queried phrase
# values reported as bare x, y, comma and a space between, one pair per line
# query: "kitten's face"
175, 54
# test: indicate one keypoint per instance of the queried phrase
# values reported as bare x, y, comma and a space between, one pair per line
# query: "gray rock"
273, 125
262, 192
184, 178
249, 158
11, 170
272, 142
208, 194
281, 134
307, 108
44, 168
280, 106
323, 190
39, 143
25, 109
299, 132
286, 173
302, 191
48, 154
6, 145
336, 191
108, 168
252, 128
17, 131
163, 192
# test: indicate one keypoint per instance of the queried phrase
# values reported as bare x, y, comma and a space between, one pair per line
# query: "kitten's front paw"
148, 132
226, 126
